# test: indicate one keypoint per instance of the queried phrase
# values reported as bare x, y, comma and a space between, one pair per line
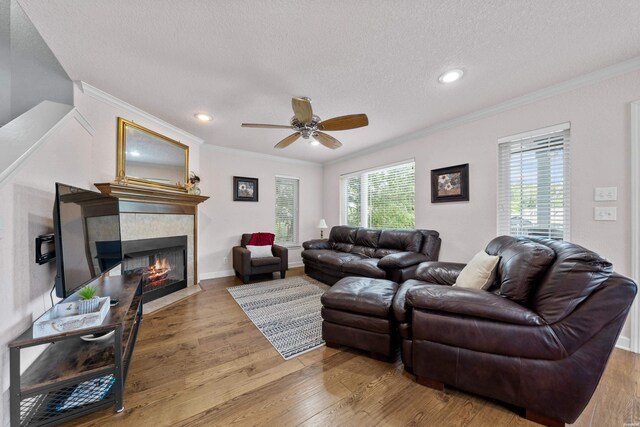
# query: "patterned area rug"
286, 311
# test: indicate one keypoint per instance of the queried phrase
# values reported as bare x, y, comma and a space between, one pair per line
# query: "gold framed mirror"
148, 158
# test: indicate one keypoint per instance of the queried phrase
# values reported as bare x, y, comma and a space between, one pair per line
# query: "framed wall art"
450, 184
245, 189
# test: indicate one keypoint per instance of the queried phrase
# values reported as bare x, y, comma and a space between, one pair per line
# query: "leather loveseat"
391, 254
540, 339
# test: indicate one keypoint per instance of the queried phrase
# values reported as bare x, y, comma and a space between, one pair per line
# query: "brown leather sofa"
539, 340
245, 266
391, 254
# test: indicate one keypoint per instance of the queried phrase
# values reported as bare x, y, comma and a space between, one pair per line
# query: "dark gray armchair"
246, 267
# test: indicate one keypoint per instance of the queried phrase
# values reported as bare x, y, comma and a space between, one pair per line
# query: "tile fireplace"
162, 262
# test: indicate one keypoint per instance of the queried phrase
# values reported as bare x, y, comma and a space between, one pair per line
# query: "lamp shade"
322, 224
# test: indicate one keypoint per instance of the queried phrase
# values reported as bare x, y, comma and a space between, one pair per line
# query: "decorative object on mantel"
88, 299
150, 159
194, 180
450, 184
66, 317
322, 225
245, 189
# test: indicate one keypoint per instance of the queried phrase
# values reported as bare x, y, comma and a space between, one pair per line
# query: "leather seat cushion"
359, 321
259, 262
330, 258
364, 267
361, 295
399, 301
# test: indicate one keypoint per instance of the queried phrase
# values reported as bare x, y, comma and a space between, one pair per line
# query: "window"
286, 210
381, 198
533, 179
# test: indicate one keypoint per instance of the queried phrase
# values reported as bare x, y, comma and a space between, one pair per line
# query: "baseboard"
230, 273
624, 343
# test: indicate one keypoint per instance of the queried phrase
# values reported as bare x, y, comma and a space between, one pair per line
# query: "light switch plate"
605, 214
602, 194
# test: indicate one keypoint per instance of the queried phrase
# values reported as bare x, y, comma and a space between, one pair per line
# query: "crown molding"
255, 154
103, 96
548, 92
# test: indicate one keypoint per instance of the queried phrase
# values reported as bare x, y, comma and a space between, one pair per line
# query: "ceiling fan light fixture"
313, 142
203, 117
451, 76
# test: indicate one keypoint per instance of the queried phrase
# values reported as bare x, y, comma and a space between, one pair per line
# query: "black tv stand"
72, 377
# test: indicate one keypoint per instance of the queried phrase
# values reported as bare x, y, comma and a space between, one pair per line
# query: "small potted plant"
89, 301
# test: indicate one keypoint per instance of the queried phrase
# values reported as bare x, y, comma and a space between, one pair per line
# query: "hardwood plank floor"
201, 362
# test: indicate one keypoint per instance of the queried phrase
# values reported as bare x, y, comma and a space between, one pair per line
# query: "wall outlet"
601, 194
605, 214
226, 259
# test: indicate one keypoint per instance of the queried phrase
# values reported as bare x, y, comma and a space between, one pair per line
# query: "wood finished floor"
201, 362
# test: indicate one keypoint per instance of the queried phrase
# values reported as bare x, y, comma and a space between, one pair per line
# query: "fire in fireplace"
162, 262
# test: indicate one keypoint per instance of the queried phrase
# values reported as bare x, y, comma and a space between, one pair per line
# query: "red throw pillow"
262, 239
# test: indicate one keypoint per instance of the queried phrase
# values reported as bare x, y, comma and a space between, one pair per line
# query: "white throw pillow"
479, 273
260, 251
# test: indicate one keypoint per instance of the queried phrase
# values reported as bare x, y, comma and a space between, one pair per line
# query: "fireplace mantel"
148, 213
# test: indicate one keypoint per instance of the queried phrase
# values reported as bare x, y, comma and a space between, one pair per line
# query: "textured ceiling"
242, 61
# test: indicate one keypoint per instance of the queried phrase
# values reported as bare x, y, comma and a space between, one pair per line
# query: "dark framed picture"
245, 189
450, 184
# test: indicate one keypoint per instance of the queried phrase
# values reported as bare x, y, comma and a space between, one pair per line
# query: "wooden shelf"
132, 193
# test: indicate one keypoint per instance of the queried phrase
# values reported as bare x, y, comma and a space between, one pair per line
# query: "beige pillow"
479, 273
260, 251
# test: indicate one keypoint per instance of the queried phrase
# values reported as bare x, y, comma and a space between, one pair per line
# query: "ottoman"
357, 313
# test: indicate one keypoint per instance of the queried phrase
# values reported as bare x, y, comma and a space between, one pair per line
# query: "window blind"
286, 228
381, 198
533, 180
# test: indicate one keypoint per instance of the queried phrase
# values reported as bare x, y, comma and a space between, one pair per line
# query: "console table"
73, 377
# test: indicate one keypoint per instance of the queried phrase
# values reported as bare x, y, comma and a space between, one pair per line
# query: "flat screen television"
87, 236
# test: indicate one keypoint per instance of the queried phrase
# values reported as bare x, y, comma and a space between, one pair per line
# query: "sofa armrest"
471, 302
317, 244
241, 260
401, 260
283, 254
442, 273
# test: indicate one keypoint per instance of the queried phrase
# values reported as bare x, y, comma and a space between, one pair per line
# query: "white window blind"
381, 198
533, 180
286, 210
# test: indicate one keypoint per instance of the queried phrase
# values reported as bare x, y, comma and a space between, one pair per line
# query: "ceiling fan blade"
302, 109
288, 140
327, 140
260, 125
351, 121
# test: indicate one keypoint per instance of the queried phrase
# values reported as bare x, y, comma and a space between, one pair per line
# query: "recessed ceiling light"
450, 76
314, 142
203, 117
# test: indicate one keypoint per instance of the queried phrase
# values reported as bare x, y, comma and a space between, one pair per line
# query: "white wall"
222, 221
600, 125
26, 212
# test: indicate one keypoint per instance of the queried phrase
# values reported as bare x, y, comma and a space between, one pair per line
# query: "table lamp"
322, 225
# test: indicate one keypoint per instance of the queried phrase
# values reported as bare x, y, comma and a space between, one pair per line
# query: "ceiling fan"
308, 125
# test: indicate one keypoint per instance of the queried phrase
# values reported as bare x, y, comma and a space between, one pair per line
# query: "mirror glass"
147, 157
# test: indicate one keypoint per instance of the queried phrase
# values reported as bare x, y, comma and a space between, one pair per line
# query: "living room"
75, 68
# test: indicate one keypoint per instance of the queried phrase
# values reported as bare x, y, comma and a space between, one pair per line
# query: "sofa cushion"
522, 264
343, 234
330, 258
367, 237
364, 267
382, 252
363, 250
430, 243
260, 262
575, 274
402, 240
342, 247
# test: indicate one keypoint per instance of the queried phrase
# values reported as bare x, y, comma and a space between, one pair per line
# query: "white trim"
255, 154
117, 102
230, 273
375, 168
297, 178
548, 92
534, 133
635, 221
624, 343
83, 122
